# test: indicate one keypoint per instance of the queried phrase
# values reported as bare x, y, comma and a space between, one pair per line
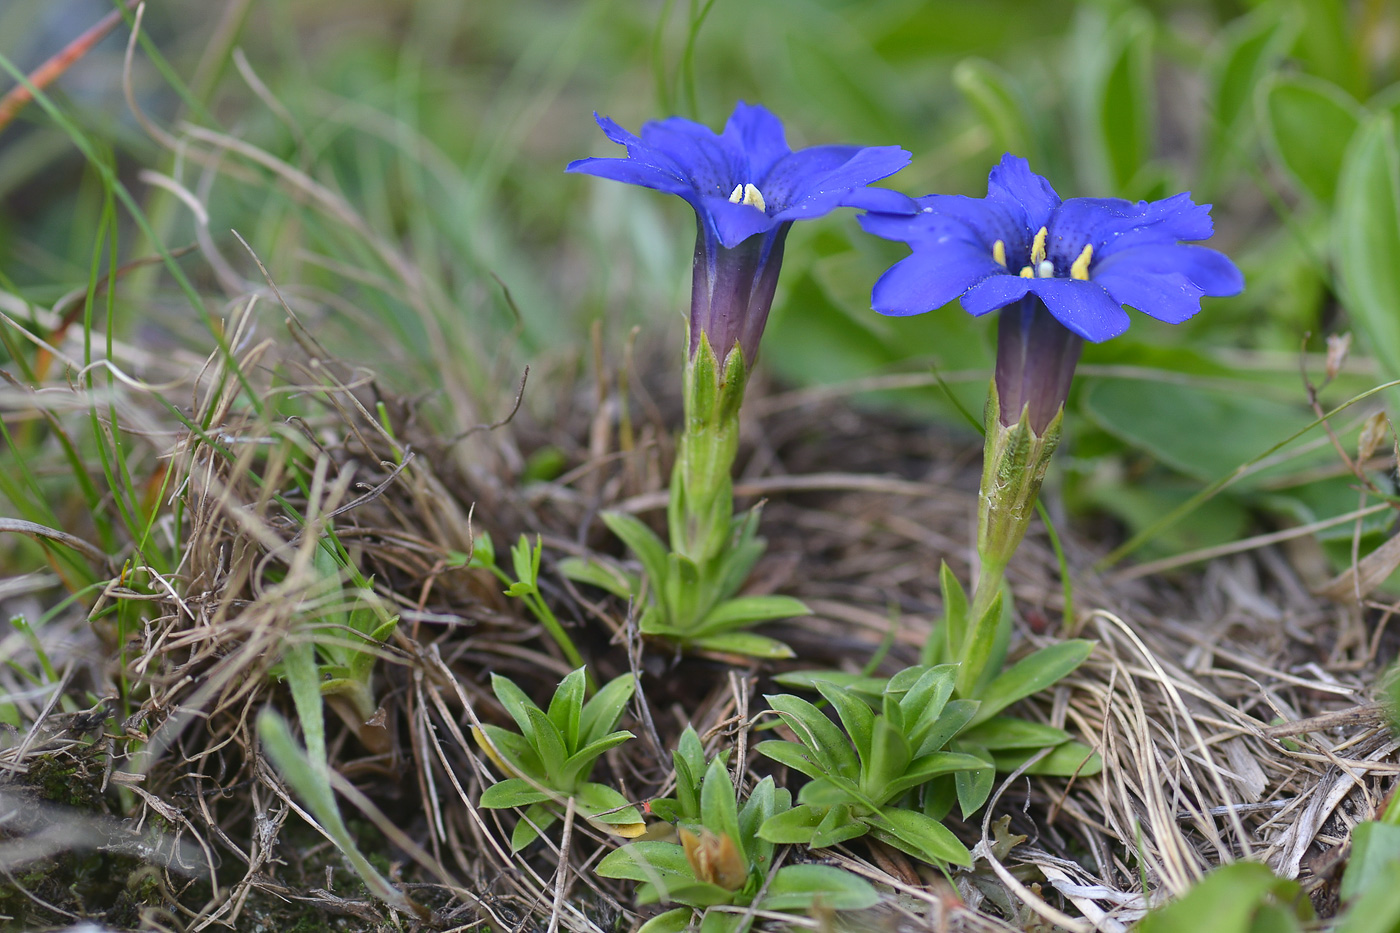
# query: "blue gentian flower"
747, 187
1062, 270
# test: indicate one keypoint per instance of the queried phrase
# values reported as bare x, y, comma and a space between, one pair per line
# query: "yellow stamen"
1080, 269
1038, 247
1027, 273
999, 253
1046, 269
748, 194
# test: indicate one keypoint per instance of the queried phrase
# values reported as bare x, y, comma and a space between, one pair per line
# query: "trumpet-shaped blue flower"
747, 187
1063, 270
1084, 258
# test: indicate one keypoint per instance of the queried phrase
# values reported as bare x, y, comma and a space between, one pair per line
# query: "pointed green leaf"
920, 836
1003, 732
601, 714
800, 887
600, 802
794, 756
581, 762
837, 826
923, 769
954, 609
793, 826
719, 808
1067, 760
536, 819
565, 706
642, 542
889, 756
974, 786
818, 733
671, 921
602, 575
750, 610
522, 563
512, 792
745, 643
515, 701
643, 861
955, 717
548, 743
855, 716
1032, 674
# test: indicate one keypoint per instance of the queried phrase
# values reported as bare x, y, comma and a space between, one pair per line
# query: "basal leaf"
1003, 732
604, 576
512, 792
744, 643
855, 716
794, 826
749, 610
799, 887
671, 921
643, 861
601, 714
793, 755
920, 836
1032, 674
818, 733
565, 706
642, 542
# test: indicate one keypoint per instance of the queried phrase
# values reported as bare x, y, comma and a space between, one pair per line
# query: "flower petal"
632, 172
944, 217
1210, 271
1113, 224
1170, 298
712, 164
1084, 307
995, 292
811, 182
1022, 193
734, 223
881, 200
923, 282
753, 131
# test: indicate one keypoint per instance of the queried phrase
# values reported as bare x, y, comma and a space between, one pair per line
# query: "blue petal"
1084, 307
1022, 193
734, 223
994, 292
944, 217
1210, 271
755, 132
633, 173
712, 164
811, 182
922, 282
1113, 224
1171, 298
614, 132
881, 200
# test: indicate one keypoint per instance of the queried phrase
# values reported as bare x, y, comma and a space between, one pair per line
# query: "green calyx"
702, 487
1014, 461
